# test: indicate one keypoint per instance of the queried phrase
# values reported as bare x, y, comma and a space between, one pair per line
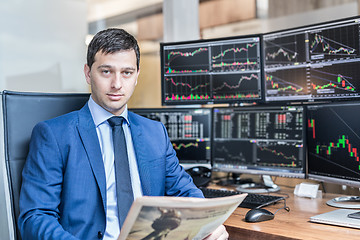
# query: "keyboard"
252, 200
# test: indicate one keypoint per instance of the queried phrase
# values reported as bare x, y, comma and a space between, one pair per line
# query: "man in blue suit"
69, 181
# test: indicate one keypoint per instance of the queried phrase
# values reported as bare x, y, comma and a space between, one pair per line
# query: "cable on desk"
285, 207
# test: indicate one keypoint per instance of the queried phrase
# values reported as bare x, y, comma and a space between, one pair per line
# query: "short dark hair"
112, 40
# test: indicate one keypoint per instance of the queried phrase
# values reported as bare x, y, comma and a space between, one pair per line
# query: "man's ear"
87, 73
138, 72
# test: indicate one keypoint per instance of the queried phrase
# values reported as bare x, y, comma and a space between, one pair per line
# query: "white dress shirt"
104, 133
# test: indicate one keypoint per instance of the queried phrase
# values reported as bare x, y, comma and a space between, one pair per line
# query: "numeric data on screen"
269, 138
189, 131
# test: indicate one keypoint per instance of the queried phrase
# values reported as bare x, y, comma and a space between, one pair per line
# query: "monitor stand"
267, 186
345, 202
234, 180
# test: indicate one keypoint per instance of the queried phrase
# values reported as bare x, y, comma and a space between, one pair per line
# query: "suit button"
100, 235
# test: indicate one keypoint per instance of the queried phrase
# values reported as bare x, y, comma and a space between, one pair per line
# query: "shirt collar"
100, 115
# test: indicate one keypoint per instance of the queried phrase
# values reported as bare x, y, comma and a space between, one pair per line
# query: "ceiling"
106, 9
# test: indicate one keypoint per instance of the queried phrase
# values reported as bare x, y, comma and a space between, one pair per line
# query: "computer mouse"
258, 215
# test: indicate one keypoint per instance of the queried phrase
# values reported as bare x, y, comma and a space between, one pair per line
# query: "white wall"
42, 48
42, 45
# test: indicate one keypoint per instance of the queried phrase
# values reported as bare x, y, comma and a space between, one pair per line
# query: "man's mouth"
115, 97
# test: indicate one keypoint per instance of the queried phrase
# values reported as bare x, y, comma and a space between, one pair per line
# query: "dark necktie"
124, 191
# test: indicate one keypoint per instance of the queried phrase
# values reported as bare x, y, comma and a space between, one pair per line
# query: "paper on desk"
307, 190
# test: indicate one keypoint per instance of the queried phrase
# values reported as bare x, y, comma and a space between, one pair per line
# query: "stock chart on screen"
334, 142
318, 62
211, 71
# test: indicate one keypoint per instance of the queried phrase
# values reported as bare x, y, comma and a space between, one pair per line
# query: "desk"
290, 225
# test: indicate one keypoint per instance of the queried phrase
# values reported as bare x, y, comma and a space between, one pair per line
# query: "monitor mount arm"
267, 186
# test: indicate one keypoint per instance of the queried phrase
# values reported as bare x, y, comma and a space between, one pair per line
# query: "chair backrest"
21, 112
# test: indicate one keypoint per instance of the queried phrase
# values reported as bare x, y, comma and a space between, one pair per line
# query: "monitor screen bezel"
333, 180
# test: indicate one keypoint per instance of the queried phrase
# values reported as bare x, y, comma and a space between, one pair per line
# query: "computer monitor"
223, 70
266, 140
189, 130
334, 144
313, 63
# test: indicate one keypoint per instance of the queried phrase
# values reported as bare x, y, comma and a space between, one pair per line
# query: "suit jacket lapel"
88, 135
138, 142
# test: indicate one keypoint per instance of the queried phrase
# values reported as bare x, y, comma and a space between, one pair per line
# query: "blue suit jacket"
63, 194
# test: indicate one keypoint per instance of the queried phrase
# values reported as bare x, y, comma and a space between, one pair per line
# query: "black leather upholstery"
22, 111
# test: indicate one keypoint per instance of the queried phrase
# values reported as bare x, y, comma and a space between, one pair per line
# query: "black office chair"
21, 112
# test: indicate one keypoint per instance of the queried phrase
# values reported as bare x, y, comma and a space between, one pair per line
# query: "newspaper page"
177, 218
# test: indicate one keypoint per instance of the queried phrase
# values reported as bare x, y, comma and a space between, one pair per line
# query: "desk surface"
290, 225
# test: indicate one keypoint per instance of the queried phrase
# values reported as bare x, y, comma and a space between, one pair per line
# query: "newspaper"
183, 218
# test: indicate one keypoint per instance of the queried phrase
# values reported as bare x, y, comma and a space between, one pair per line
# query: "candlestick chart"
279, 154
186, 60
187, 87
225, 70
285, 66
335, 81
284, 50
235, 57
333, 140
233, 152
286, 82
187, 150
236, 86
334, 43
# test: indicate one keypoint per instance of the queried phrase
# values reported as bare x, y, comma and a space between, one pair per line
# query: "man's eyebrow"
109, 66
104, 66
129, 68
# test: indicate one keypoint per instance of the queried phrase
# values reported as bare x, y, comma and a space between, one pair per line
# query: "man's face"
112, 78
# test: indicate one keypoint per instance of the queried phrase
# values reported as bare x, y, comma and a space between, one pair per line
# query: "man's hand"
219, 234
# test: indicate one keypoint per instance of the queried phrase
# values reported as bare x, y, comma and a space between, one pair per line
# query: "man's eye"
105, 71
127, 73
